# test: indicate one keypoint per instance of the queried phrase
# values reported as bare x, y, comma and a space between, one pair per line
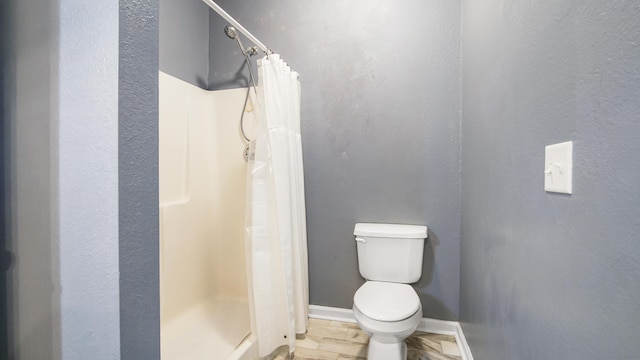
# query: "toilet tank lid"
391, 230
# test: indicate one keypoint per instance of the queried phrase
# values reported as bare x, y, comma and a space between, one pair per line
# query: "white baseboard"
427, 325
463, 345
436, 326
331, 313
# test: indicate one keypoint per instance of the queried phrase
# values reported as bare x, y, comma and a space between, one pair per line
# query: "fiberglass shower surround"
274, 212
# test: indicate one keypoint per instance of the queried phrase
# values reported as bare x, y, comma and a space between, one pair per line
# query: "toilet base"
386, 351
386, 339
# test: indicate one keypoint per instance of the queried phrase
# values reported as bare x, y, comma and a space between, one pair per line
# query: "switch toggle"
558, 167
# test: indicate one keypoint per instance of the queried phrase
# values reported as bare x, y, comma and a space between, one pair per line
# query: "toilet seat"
385, 301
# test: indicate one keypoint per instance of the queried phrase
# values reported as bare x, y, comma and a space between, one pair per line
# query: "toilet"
386, 307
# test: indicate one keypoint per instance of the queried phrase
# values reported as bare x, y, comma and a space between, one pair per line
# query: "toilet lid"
385, 301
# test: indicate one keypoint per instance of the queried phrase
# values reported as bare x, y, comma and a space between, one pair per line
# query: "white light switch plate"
558, 167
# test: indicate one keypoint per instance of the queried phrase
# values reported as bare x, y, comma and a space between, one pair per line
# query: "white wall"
87, 179
63, 116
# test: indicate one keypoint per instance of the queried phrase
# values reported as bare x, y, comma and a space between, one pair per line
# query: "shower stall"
233, 255
203, 282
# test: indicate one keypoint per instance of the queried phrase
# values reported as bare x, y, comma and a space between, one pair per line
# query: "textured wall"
138, 180
381, 117
184, 40
548, 276
84, 177
61, 83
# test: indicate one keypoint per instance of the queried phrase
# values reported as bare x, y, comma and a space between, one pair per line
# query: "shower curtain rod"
237, 25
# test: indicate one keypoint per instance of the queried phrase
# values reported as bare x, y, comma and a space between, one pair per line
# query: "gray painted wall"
381, 127
138, 180
184, 40
227, 68
548, 276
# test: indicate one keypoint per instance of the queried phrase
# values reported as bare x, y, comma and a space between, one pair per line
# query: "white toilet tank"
390, 252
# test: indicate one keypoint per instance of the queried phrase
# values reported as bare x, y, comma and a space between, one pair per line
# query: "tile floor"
335, 340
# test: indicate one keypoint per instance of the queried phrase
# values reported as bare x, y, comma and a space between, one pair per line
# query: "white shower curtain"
276, 222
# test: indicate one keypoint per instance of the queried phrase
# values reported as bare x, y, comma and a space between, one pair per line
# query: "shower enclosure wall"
204, 308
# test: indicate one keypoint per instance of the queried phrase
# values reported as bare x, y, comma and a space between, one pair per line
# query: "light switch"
558, 167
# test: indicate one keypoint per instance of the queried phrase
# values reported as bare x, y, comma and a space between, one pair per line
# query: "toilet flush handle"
361, 240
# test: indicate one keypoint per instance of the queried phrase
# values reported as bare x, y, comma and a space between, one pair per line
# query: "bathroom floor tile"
450, 348
343, 347
357, 336
335, 340
308, 354
326, 329
349, 357
413, 354
421, 341
308, 342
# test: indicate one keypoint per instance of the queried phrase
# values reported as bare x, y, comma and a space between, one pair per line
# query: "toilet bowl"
385, 306
388, 313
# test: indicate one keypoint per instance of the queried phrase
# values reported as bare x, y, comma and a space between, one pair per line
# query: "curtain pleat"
276, 223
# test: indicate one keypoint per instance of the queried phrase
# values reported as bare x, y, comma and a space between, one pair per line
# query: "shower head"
231, 32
